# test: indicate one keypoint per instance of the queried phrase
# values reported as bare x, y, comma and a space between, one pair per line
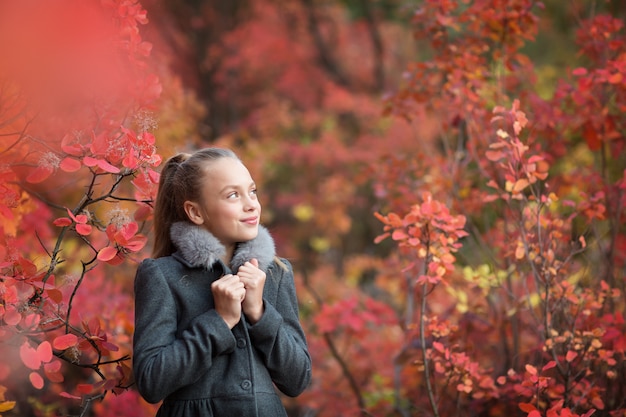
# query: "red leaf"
39, 174
84, 388
67, 395
571, 355
70, 165
494, 155
29, 356
44, 350
527, 407
32, 320
52, 371
62, 222
382, 237
65, 341
69, 212
591, 136
83, 229
398, 235
12, 317
549, 365
36, 380
90, 161
137, 243
129, 230
71, 149
106, 254
110, 346
143, 213
105, 166
55, 295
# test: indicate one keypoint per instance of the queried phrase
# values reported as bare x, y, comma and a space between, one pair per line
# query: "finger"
254, 262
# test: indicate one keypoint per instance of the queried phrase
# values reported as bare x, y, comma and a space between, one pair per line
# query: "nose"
251, 203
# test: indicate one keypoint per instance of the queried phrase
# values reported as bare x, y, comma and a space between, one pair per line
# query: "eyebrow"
225, 188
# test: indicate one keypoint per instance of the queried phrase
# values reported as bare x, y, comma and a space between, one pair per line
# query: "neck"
228, 254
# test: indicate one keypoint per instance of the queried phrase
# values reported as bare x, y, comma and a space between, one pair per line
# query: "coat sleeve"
279, 338
164, 362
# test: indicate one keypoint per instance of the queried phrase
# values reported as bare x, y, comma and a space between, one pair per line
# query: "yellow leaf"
303, 212
6, 406
320, 244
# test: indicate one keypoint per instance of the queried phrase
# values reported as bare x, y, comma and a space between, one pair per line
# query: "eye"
254, 192
232, 195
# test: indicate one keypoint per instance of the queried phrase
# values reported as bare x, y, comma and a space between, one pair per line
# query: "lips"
251, 220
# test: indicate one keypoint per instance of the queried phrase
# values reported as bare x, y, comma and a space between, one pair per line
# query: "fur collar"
200, 248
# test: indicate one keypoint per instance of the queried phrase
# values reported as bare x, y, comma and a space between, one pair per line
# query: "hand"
254, 280
228, 293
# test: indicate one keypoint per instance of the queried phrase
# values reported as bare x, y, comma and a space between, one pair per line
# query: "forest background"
447, 177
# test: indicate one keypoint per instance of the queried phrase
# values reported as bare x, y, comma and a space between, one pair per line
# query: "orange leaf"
6, 406
494, 155
65, 341
531, 369
519, 185
616, 78
55, 295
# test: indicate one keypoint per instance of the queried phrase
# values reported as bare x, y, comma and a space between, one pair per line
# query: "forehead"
227, 172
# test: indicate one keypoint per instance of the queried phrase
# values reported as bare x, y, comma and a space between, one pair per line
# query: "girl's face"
229, 207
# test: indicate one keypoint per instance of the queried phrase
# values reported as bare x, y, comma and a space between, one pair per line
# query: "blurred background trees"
487, 136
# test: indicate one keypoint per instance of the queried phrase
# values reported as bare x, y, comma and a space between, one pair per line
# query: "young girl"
216, 314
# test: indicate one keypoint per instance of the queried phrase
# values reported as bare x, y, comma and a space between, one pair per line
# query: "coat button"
241, 343
246, 384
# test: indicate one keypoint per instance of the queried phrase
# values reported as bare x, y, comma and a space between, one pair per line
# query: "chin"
249, 234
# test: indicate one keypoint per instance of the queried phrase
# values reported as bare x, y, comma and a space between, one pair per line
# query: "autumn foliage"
73, 85
452, 204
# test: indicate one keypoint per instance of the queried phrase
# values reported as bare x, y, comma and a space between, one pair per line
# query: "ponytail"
165, 206
181, 180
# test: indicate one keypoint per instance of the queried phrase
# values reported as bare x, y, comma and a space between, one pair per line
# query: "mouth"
251, 220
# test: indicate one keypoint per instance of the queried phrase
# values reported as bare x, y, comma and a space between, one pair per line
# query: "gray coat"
185, 354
